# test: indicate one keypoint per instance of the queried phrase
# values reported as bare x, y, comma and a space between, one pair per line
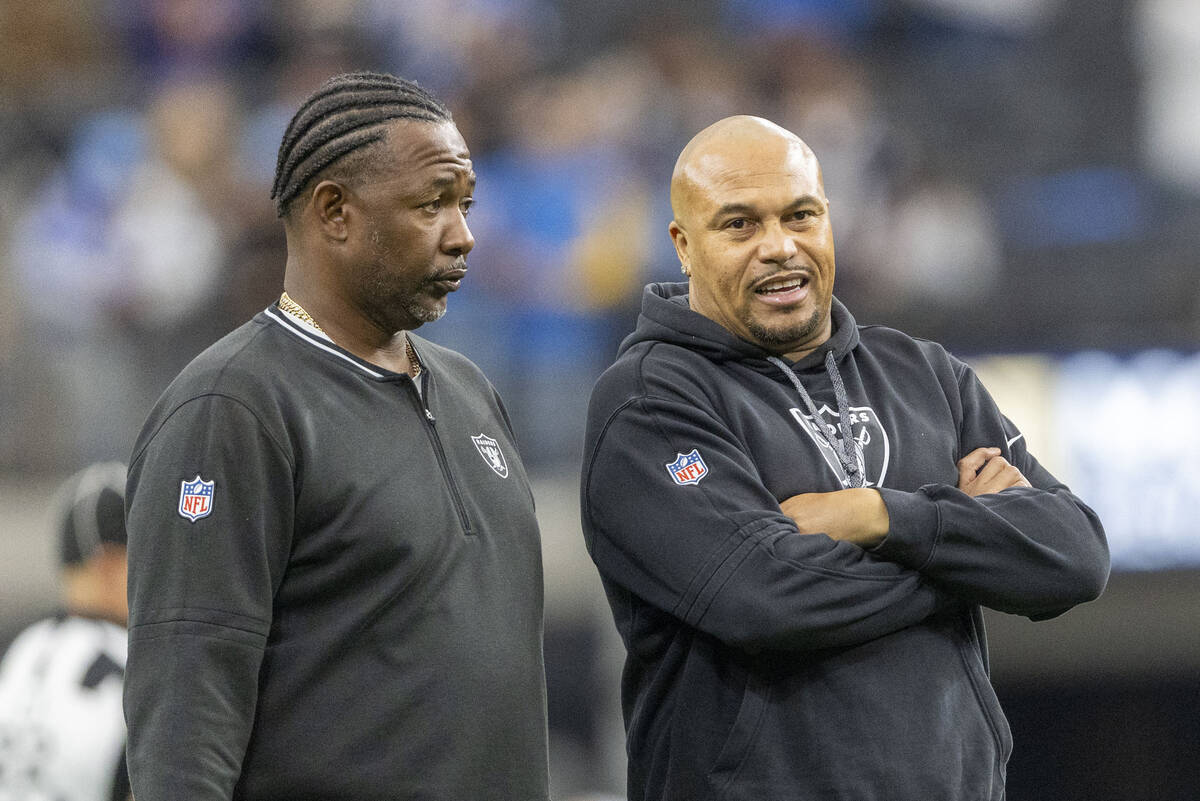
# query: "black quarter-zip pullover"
357, 611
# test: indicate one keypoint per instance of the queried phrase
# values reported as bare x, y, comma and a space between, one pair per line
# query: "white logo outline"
196, 498
493, 457
861, 417
687, 460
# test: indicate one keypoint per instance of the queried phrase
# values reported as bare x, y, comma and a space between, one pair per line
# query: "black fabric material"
358, 615
121, 790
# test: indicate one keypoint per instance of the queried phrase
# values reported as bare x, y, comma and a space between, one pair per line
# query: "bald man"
797, 519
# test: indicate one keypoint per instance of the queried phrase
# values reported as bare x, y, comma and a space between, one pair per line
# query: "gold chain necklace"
296, 310
289, 306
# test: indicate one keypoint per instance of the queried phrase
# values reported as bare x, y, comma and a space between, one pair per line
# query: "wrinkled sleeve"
1031, 551
719, 554
201, 596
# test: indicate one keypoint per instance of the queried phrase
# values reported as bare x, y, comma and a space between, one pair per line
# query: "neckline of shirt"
320, 340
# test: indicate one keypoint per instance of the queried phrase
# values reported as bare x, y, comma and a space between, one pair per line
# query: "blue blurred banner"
1121, 431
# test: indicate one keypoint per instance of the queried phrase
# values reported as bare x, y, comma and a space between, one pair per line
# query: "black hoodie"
766, 664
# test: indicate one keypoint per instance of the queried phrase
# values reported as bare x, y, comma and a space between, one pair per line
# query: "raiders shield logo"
196, 498
870, 441
489, 449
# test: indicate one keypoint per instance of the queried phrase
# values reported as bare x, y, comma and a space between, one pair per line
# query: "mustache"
459, 265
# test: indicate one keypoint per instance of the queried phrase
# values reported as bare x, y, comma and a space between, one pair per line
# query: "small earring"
683, 268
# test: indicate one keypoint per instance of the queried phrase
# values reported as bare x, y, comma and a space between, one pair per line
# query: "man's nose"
457, 239
777, 244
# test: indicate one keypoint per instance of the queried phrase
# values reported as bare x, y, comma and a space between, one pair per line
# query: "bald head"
753, 235
734, 149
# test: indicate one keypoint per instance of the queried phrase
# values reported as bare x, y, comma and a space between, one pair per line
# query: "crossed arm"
859, 516
727, 557
994, 539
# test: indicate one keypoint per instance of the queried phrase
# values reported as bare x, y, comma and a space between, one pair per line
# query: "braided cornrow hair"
347, 114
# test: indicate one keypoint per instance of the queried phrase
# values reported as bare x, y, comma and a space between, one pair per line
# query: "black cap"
91, 511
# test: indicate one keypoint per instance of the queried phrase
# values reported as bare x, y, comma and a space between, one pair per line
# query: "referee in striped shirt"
62, 732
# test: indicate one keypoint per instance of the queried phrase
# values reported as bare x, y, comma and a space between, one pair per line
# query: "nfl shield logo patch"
489, 449
688, 468
196, 498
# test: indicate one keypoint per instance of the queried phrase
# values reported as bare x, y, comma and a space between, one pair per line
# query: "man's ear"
329, 199
680, 240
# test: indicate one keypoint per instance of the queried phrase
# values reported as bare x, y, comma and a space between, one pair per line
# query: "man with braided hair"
334, 566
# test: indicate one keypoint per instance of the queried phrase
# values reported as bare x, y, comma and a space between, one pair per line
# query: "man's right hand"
984, 470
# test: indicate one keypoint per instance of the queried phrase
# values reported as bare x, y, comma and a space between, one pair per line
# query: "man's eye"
466, 205
738, 224
433, 205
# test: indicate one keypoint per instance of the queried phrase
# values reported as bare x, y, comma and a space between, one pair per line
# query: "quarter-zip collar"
318, 339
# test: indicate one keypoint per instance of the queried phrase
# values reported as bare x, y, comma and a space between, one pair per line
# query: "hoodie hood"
666, 317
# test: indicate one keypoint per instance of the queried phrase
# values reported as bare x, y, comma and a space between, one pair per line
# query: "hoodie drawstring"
846, 452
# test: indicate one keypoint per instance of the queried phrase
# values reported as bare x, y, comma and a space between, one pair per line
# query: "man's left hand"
984, 471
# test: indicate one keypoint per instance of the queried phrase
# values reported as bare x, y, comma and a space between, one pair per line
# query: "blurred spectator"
563, 232
119, 260
62, 250
437, 42
945, 253
830, 99
175, 38
62, 731
70, 283
166, 233
57, 59
841, 19
1167, 45
1016, 15
704, 76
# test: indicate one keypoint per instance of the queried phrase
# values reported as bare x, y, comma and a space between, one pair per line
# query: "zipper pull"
429, 415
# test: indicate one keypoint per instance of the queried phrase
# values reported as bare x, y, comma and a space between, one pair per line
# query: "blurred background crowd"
1004, 176
1018, 176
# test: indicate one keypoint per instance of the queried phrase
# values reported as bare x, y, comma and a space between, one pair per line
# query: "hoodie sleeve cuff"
913, 528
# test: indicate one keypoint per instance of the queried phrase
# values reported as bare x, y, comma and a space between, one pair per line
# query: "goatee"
782, 337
